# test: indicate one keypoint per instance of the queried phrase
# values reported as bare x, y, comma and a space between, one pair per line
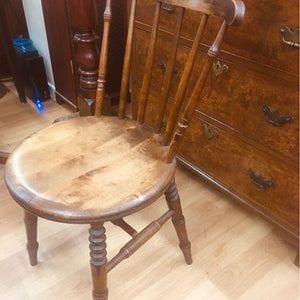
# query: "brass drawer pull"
168, 7
276, 118
259, 180
163, 67
290, 37
219, 68
210, 131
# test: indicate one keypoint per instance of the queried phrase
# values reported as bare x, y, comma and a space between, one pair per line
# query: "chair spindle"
148, 67
127, 64
169, 70
184, 81
103, 60
139, 239
194, 99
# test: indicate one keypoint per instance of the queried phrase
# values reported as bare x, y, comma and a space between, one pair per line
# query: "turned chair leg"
30, 221
98, 261
173, 201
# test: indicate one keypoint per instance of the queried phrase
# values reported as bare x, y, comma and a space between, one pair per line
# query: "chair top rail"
232, 11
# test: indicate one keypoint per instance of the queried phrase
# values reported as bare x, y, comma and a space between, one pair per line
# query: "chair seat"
88, 169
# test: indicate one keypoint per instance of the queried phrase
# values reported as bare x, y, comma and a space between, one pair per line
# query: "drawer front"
259, 107
153, 106
271, 186
258, 39
163, 46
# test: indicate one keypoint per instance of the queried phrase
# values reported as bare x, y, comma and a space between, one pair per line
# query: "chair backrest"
230, 11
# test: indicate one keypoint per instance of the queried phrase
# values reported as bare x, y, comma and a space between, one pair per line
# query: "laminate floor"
19, 120
237, 255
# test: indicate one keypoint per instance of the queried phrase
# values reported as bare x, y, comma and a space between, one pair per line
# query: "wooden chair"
98, 169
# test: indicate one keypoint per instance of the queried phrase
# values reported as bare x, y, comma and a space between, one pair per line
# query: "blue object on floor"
39, 105
37, 101
24, 47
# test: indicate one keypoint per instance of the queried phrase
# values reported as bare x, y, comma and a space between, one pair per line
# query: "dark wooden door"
12, 25
4, 68
60, 47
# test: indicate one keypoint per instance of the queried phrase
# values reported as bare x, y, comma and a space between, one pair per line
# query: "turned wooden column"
174, 204
98, 261
83, 20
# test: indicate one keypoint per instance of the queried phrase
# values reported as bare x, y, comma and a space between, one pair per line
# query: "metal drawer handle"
219, 68
163, 67
276, 118
259, 180
290, 37
168, 7
210, 131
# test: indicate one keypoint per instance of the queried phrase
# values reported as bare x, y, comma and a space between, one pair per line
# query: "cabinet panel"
161, 58
258, 39
258, 107
59, 40
153, 106
244, 134
270, 185
74, 30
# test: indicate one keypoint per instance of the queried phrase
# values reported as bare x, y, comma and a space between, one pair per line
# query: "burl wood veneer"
244, 132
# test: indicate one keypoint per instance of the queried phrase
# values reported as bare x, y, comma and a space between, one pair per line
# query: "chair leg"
98, 261
30, 221
173, 201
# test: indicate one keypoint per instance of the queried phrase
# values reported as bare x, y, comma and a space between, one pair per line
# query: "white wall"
37, 32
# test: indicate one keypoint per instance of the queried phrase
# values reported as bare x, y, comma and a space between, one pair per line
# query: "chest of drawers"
244, 133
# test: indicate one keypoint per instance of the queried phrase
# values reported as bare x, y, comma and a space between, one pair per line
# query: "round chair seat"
88, 169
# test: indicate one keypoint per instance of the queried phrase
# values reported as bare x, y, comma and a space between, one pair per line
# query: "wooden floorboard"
19, 120
237, 255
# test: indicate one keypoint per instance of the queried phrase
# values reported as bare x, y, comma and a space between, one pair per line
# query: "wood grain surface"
19, 120
247, 118
79, 164
238, 257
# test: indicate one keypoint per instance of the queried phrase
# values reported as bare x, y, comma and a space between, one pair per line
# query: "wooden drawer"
153, 106
258, 107
163, 47
245, 101
141, 41
238, 166
145, 11
259, 39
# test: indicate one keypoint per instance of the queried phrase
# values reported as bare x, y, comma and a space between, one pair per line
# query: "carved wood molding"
83, 22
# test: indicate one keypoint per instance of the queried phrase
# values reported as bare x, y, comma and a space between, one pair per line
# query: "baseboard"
61, 99
52, 90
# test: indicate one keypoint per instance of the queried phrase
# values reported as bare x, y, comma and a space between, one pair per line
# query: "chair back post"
100, 94
127, 63
169, 70
194, 99
232, 13
184, 82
